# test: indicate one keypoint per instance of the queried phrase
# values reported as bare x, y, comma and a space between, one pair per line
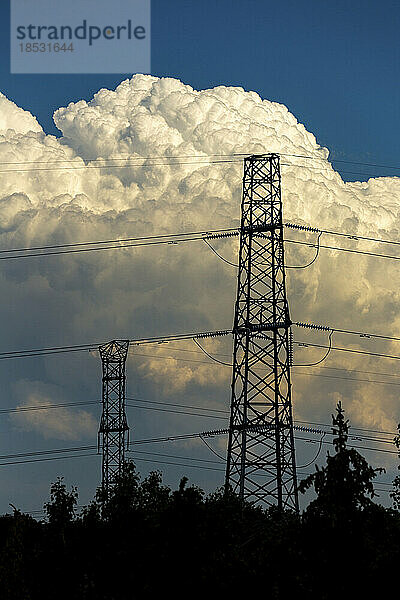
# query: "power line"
208, 408
163, 357
314, 364
202, 157
363, 252
312, 261
342, 172
123, 157
120, 246
170, 438
179, 464
210, 356
20, 409
360, 371
350, 162
312, 461
356, 447
125, 166
361, 334
164, 239
350, 379
167, 239
41, 453
187, 350
128, 156
177, 456
226, 412
179, 412
172, 240
198, 335
161, 237
172, 404
95, 345
298, 427
35, 460
49, 350
359, 437
305, 344
188, 360
44, 454
354, 237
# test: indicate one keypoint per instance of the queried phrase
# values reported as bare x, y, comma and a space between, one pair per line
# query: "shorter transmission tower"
114, 428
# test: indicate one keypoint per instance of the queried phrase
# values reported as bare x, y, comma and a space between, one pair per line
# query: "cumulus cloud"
129, 293
51, 423
15, 118
174, 371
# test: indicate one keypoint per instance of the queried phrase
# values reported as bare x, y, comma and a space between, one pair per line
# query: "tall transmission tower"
113, 425
261, 463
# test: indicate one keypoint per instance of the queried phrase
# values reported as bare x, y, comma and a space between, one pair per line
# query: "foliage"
395, 494
144, 540
61, 508
345, 485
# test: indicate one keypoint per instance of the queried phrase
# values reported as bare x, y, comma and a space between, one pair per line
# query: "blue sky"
335, 65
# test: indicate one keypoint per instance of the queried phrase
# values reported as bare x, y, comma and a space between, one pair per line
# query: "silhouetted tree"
61, 509
16, 554
122, 498
338, 524
344, 485
395, 494
144, 539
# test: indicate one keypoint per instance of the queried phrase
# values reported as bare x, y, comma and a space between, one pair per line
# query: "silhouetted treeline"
148, 541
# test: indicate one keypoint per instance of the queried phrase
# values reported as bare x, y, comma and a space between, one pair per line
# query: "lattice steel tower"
261, 463
113, 425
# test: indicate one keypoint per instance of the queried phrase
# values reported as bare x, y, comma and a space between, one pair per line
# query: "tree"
61, 509
395, 494
122, 499
344, 486
16, 554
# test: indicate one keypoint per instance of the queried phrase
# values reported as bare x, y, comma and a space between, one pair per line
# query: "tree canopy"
144, 539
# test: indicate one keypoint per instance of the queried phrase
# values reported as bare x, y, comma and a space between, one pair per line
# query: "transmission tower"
113, 425
261, 463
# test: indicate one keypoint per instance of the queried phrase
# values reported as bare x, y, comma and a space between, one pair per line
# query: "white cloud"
134, 292
15, 118
56, 423
174, 369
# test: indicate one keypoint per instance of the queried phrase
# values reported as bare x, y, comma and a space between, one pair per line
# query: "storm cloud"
169, 142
